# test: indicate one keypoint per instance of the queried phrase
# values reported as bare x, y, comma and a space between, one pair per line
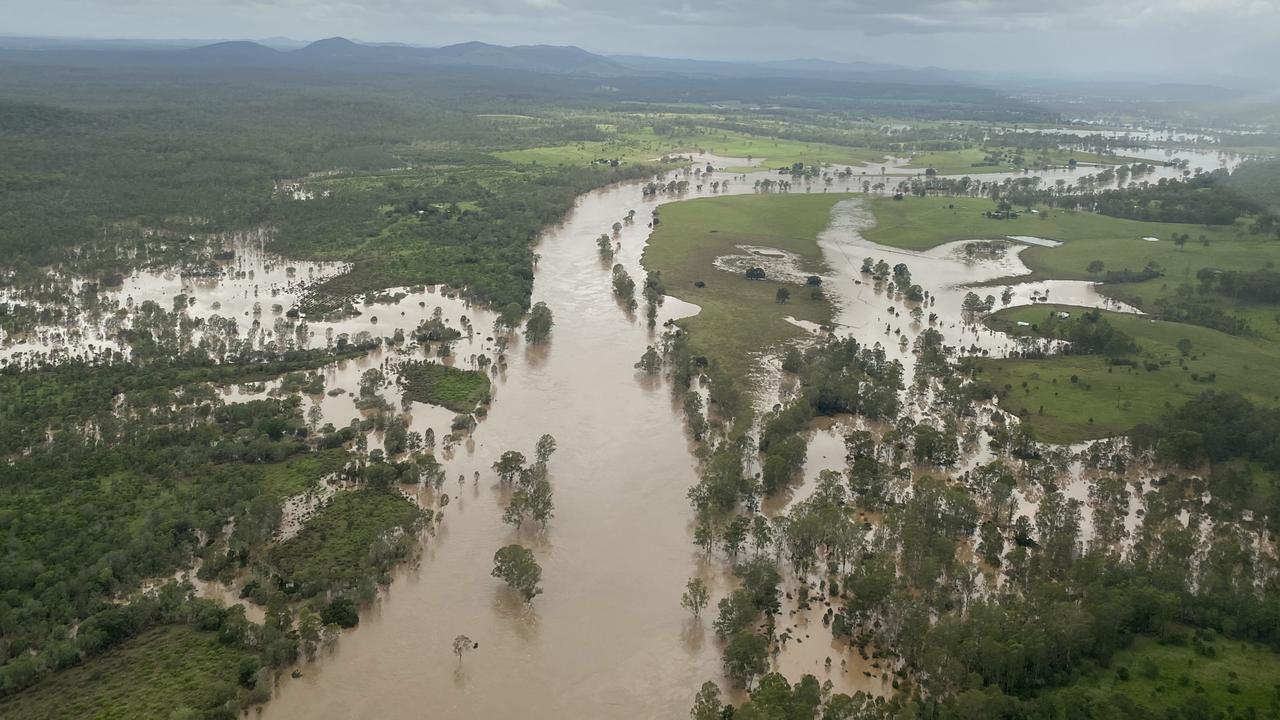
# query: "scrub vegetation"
165, 671
351, 541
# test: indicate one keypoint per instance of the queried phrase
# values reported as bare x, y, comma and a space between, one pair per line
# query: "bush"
342, 612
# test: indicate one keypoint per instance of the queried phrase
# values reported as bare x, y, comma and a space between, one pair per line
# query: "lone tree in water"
545, 448
783, 295
695, 596
538, 328
509, 466
463, 644
515, 565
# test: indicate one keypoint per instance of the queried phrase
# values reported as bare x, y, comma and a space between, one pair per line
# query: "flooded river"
607, 638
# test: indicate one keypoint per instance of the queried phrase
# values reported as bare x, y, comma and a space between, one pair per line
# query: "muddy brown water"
607, 638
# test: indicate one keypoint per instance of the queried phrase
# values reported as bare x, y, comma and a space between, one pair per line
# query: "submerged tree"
516, 566
538, 328
695, 596
509, 466
463, 644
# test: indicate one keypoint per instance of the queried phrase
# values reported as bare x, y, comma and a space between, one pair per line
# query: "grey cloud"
1032, 34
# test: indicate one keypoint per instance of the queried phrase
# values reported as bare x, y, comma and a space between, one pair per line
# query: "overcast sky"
1187, 38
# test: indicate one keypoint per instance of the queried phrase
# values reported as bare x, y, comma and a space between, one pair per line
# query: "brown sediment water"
607, 638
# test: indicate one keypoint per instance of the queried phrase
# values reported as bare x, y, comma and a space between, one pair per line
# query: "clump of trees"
1087, 332
531, 498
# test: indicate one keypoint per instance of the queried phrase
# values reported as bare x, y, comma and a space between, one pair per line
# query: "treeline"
1259, 180
485, 247
1252, 285
1215, 427
965, 597
216, 141
1087, 332
1203, 199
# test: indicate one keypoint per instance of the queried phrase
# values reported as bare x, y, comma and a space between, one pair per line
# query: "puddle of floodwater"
1032, 240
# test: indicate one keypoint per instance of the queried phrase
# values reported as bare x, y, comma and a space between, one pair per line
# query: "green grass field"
458, 390
336, 549
1120, 244
1107, 400
644, 145
1163, 677
156, 675
923, 223
1229, 248
740, 318
972, 161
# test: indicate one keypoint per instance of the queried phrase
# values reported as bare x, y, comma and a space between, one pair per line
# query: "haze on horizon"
1182, 40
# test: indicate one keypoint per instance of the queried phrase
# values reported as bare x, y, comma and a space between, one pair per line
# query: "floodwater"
607, 638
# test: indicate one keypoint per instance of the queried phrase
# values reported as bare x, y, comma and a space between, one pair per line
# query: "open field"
644, 145
156, 675
1167, 677
740, 318
975, 160
922, 223
1107, 400
1229, 248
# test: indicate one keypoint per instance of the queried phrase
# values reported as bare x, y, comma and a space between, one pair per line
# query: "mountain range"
339, 53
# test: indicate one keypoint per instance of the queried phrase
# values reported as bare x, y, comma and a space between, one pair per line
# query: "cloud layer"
1205, 37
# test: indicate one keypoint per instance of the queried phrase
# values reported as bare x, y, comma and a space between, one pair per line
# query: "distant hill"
234, 52
541, 58
338, 52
